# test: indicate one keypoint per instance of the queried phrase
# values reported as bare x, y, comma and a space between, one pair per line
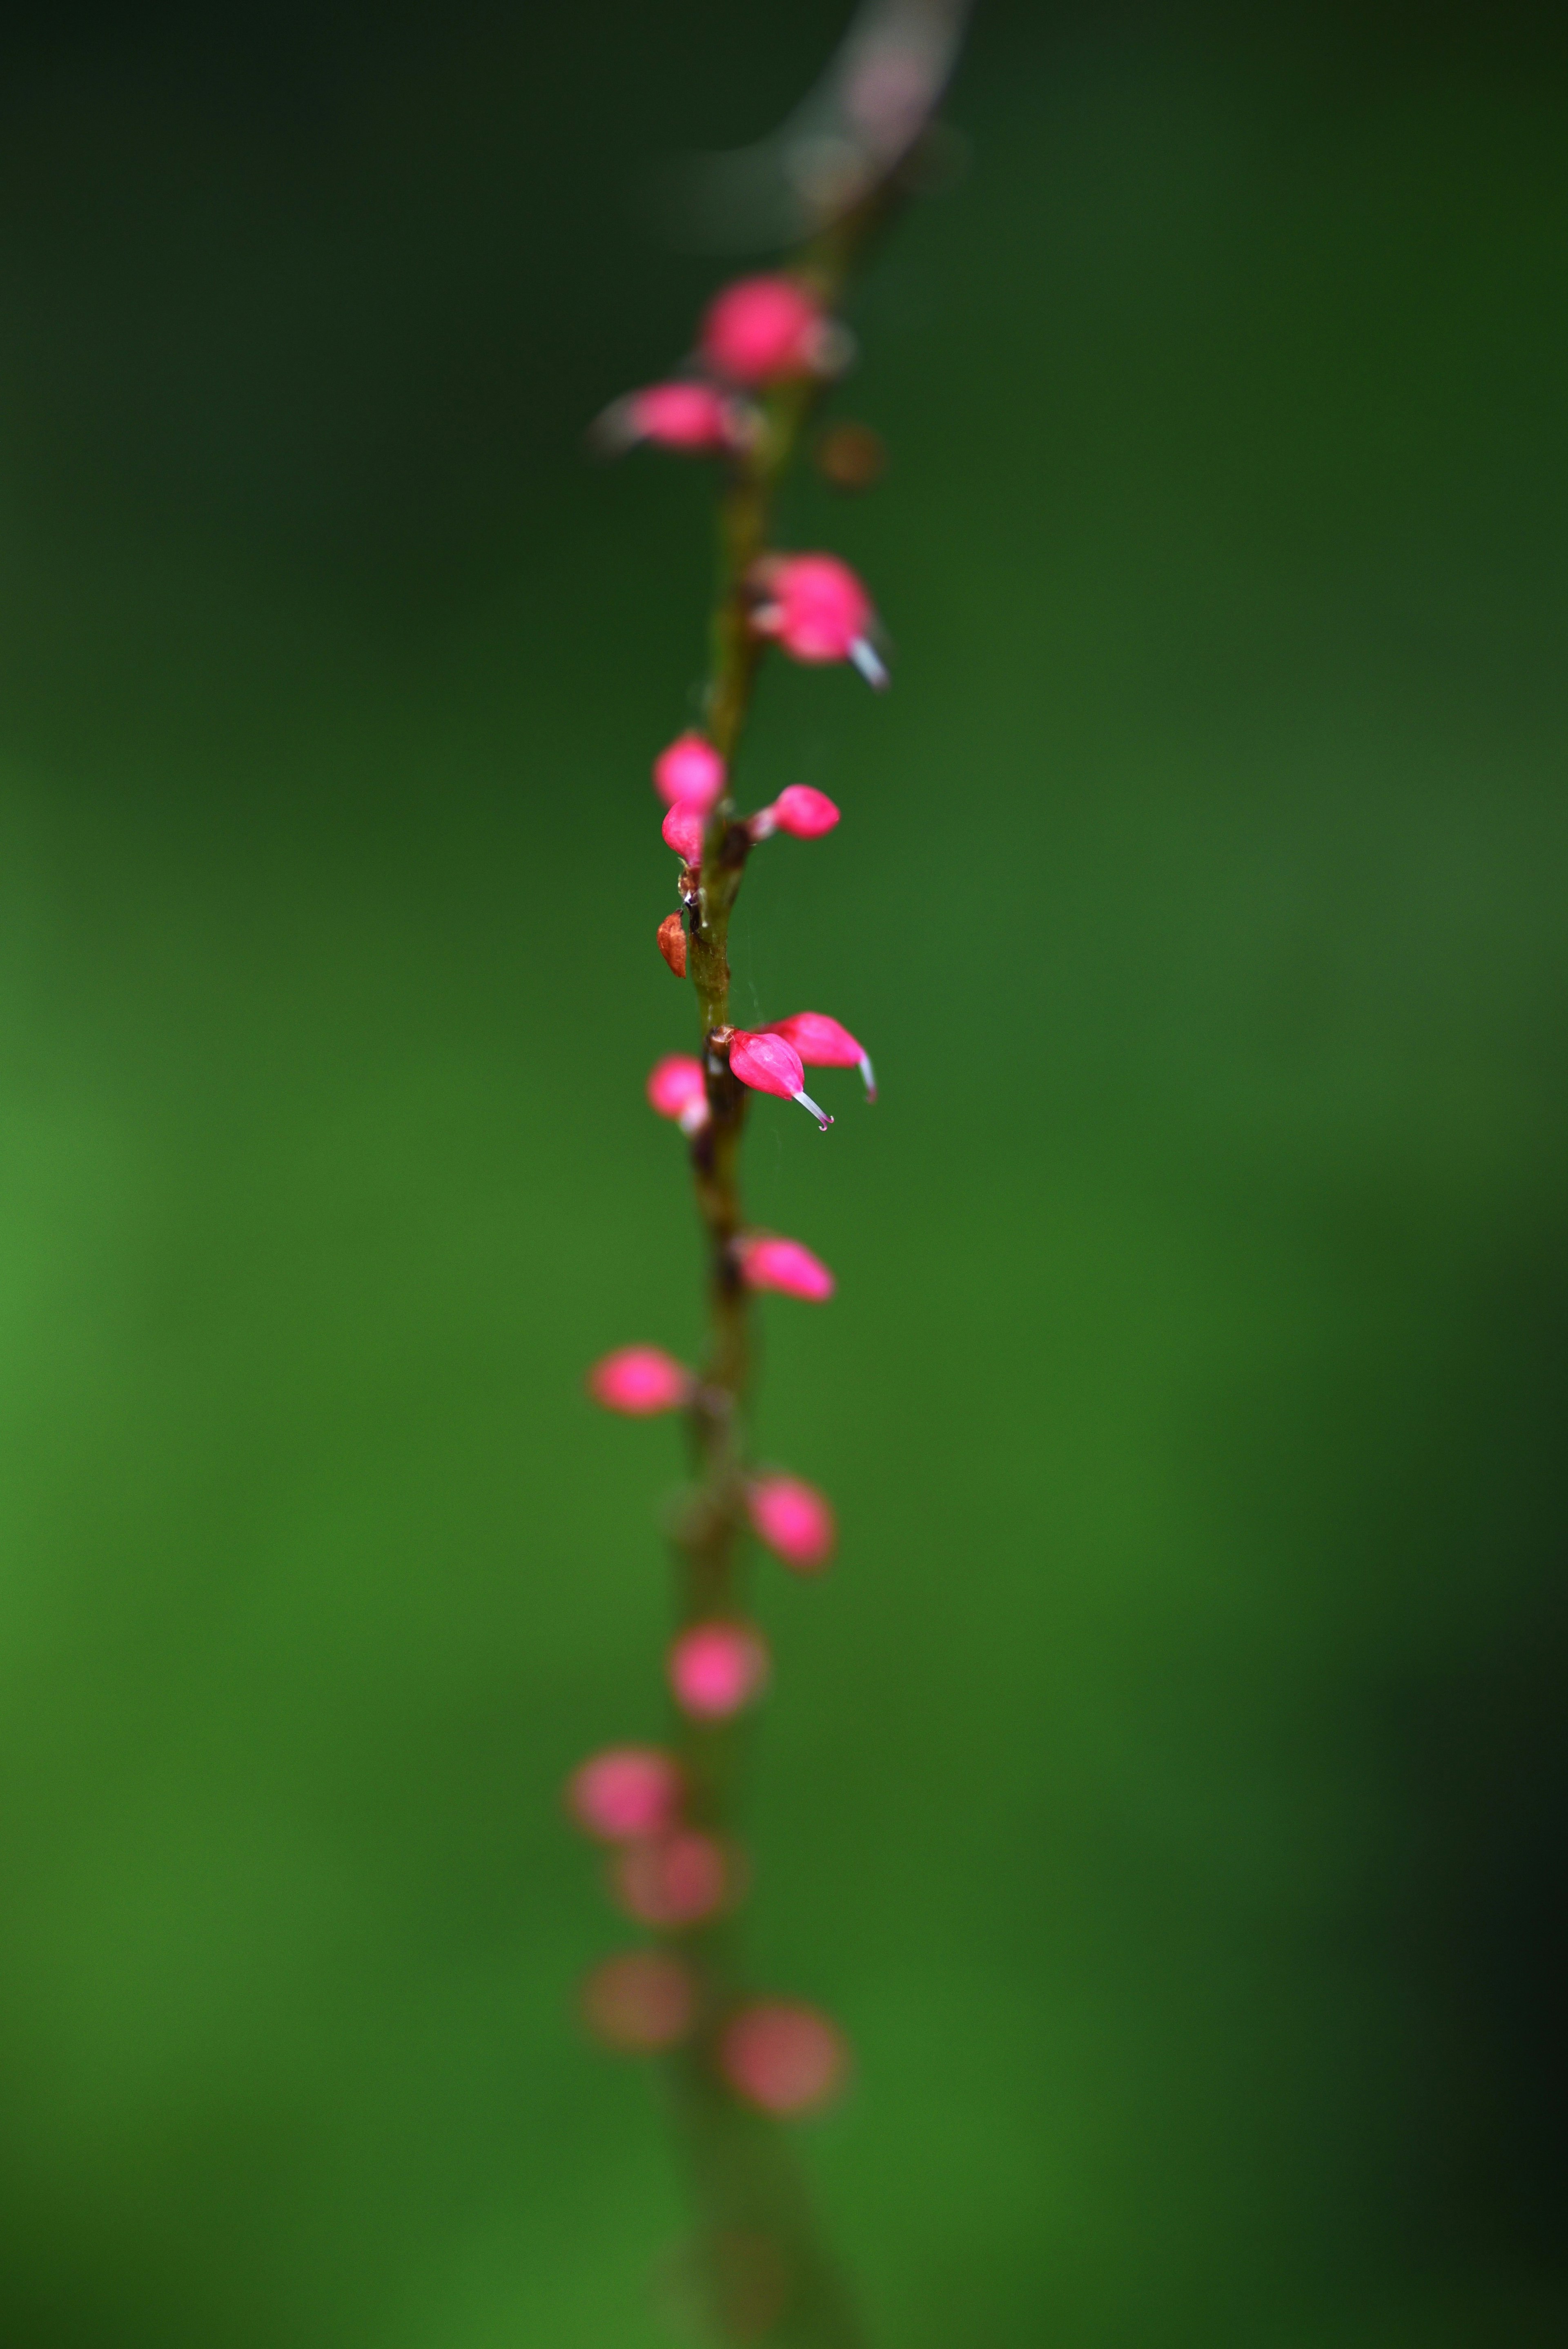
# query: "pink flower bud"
677, 1879
677, 1088
794, 1519
785, 2056
763, 330
769, 1065
639, 1380
640, 2001
627, 1791
787, 1267
821, 1043
689, 773
716, 1668
683, 831
819, 611
799, 810
694, 417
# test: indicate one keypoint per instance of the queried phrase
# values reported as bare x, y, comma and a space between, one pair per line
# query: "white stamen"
865, 655
823, 1120
869, 1073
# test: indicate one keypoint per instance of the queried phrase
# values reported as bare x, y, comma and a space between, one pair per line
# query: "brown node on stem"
851, 456
673, 944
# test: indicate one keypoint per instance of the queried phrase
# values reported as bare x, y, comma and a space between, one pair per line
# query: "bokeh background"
1169, 1788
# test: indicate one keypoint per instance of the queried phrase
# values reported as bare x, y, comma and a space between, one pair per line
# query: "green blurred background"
1169, 1787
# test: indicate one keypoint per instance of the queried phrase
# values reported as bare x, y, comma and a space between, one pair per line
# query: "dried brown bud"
673, 943
851, 456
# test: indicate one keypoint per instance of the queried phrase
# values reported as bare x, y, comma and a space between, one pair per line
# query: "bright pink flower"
763, 330
675, 1881
627, 1791
819, 611
787, 1267
641, 2000
769, 1065
824, 1044
794, 1519
799, 810
677, 1088
689, 773
694, 417
716, 1668
683, 830
785, 2056
639, 1380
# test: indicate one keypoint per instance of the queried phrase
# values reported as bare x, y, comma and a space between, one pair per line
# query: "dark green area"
1170, 1786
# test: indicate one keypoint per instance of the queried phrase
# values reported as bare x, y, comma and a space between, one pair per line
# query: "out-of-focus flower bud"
787, 1267
851, 456
677, 1879
798, 810
672, 938
794, 1519
626, 1792
814, 606
642, 1999
783, 2056
769, 1065
682, 830
821, 1043
765, 329
690, 772
692, 417
640, 1380
677, 1088
716, 1668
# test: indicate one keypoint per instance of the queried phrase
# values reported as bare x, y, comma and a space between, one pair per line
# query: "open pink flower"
717, 1669
639, 1380
783, 2056
794, 1519
821, 1043
625, 1791
678, 1090
787, 1267
694, 417
798, 810
769, 1065
818, 610
682, 830
676, 1879
690, 772
640, 2001
764, 330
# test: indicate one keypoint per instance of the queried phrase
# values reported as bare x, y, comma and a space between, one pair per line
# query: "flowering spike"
783, 2056
765, 330
677, 1088
640, 1380
690, 772
682, 830
786, 1267
821, 1043
626, 1792
641, 2000
672, 941
695, 418
818, 610
794, 1519
769, 1065
716, 1668
798, 810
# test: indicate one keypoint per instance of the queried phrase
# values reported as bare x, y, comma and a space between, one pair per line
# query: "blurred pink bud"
677, 1088
784, 2056
821, 1043
677, 1879
819, 611
639, 1380
689, 773
716, 1668
799, 810
627, 1791
787, 1267
691, 417
794, 1519
683, 831
640, 2001
769, 1065
764, 329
